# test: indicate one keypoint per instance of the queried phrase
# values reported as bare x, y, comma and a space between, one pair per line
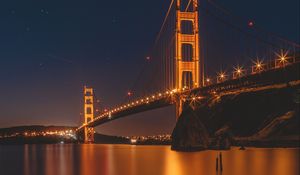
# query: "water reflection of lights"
173, 164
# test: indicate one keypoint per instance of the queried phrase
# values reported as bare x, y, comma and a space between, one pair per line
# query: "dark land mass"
33, 128
23, 135
35, 134
259, 117
20, 140
154, 142
106, 139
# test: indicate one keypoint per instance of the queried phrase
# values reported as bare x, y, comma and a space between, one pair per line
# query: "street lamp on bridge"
238, 72
221, 77
258, 66
282, 59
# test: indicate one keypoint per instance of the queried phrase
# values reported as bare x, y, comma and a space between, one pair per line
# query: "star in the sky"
42, 66
44, 11
114, 20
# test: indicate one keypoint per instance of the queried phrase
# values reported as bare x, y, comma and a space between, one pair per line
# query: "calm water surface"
142, 160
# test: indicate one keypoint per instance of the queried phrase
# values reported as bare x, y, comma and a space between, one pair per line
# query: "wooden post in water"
217, 164
221, 162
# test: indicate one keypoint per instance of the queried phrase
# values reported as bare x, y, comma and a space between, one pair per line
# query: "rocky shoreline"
259, 118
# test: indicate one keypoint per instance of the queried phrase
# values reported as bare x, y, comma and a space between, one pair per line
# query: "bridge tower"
187, 73
88, 114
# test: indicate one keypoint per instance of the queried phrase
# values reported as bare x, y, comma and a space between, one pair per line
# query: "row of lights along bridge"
259, 66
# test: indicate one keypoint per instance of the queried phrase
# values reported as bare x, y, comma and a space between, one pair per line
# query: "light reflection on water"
142, 160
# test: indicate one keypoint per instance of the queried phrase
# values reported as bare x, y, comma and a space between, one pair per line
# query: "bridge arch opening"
88, 101
187, 51
187, 79
186, 5
187, 27
88, 120
89, 110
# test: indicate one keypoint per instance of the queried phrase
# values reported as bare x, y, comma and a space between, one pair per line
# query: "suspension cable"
164, 22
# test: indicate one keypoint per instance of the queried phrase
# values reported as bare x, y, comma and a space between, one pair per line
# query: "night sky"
50, 49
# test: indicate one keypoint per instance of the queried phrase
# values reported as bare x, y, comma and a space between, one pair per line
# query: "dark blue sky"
50, 49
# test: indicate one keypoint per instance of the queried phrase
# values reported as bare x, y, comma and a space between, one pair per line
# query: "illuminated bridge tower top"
187, 47
187, 64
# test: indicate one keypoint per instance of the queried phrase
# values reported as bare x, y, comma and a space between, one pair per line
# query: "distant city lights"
61, 133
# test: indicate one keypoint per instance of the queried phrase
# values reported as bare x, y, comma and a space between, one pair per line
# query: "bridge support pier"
89, 135
88, 114
179, 107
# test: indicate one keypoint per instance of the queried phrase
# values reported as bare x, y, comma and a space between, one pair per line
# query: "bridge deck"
275, 76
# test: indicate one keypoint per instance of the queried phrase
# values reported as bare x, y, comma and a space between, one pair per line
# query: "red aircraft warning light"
250, 23
129, 93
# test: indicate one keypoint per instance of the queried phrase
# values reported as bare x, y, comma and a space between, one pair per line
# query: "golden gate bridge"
176, 71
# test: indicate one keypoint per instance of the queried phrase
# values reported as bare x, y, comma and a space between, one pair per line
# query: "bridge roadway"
286, 74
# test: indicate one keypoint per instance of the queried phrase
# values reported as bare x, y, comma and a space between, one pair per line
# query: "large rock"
189, 133
259, 117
